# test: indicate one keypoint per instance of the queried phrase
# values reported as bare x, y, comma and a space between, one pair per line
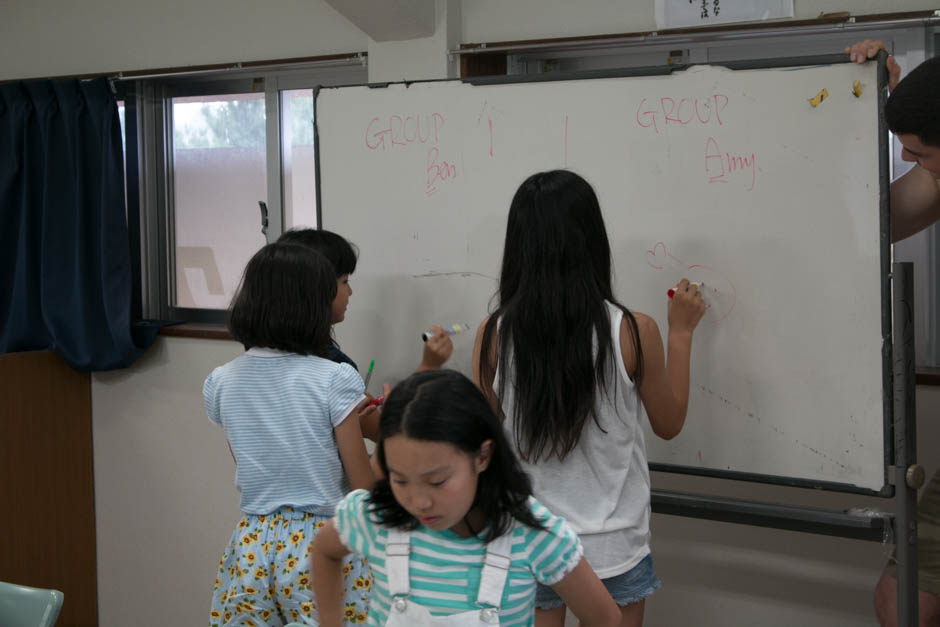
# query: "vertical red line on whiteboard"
566, 141
491, 137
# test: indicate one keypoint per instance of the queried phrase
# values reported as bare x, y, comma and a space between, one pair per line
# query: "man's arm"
868, 49
915, 203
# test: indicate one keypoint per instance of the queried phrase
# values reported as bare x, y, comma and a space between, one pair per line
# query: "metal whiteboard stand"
908, 476
904, 473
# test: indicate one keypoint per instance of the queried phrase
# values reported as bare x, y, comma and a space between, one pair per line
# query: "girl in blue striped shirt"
289, 417
452, 533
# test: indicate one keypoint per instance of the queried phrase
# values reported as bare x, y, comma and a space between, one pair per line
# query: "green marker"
369, 373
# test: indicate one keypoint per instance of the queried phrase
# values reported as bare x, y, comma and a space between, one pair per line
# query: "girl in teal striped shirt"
452, 533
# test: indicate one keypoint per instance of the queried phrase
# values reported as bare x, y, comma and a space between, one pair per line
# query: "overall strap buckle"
397, 550
496, 565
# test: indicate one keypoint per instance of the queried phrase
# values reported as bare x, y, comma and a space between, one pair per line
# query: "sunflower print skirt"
264, 576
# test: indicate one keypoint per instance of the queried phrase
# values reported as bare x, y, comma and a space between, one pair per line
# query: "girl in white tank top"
569, 369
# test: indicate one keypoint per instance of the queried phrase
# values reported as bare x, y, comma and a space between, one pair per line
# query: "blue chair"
22, 606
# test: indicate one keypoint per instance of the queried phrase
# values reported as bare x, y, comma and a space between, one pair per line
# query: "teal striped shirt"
444, 569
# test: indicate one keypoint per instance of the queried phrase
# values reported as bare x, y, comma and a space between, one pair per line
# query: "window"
207, 153
218, 176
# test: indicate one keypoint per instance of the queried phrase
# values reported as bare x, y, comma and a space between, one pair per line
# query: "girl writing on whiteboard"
342, 254
568, 368
453, 535
286, 412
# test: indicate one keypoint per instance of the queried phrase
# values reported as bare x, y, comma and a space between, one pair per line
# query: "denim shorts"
630, 587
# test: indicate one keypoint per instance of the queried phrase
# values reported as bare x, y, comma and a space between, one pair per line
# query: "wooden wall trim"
46, 462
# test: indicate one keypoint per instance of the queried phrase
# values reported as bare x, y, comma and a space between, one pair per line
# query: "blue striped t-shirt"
278, 410
444, 569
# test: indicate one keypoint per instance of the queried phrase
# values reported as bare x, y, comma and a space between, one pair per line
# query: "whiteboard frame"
888, 382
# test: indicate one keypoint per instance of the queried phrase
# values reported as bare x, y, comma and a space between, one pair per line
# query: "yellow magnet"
856, 89
815, 100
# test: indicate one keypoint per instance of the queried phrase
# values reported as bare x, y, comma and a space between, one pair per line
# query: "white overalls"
404, 613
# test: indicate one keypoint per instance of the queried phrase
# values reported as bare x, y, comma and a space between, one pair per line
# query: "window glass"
121, 120
299, 170
218, 177
120, 108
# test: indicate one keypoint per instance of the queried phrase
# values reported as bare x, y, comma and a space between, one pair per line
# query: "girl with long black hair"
569, 368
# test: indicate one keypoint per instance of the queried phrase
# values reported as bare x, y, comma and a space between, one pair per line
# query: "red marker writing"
675, 288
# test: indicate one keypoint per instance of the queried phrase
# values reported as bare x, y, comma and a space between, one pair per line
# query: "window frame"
149, 164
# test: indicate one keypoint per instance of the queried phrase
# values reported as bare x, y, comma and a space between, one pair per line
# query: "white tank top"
602, 488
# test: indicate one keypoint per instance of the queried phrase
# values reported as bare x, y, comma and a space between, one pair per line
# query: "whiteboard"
730, 177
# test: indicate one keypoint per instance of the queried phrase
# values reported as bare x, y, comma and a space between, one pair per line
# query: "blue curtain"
65, 278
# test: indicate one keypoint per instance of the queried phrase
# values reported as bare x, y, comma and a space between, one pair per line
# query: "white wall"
165, 502
165, 499
57, 38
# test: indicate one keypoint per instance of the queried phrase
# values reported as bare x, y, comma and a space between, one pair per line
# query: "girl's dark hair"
914, 105
285, 300
554, 280
341, 253
445, 406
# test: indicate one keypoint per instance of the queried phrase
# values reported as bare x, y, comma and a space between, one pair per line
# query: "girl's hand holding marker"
377, 401
370, 412
437, 346
688, 286
437, 350
686, 305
